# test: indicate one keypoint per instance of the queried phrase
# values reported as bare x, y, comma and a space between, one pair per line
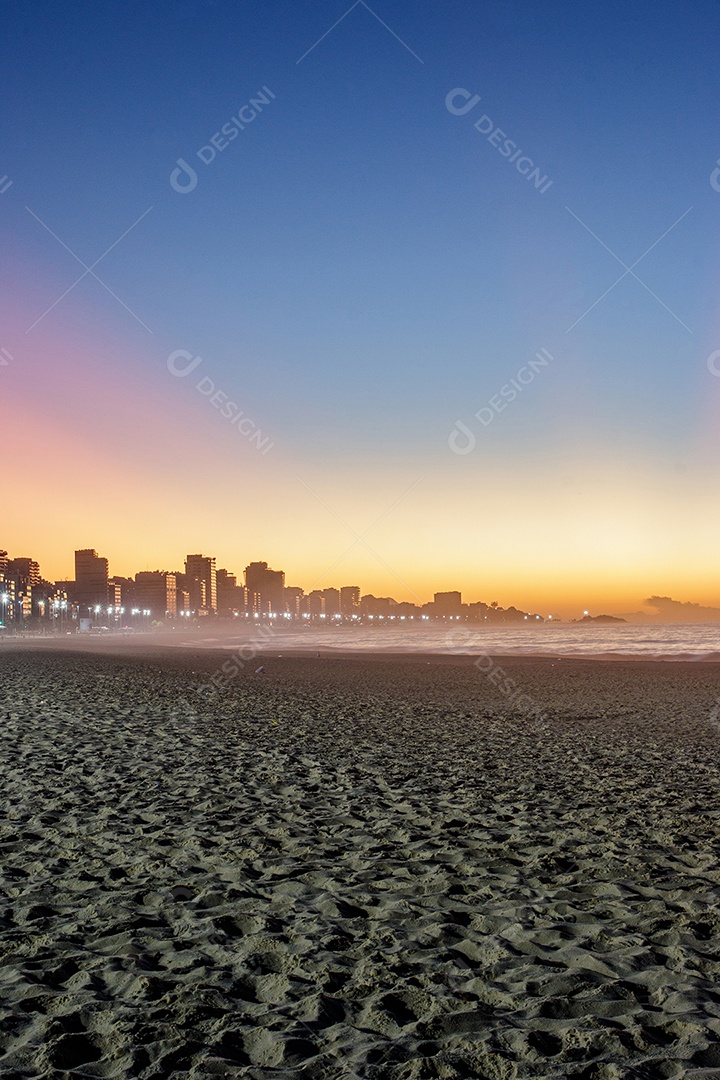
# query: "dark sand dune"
357, 868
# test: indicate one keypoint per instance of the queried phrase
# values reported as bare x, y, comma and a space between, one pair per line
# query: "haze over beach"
359, 591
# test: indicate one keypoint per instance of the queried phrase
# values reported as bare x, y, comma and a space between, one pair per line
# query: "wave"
698, 643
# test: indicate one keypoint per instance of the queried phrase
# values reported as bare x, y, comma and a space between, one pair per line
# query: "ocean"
693, 641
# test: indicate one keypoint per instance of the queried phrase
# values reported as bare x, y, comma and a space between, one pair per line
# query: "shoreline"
150, 645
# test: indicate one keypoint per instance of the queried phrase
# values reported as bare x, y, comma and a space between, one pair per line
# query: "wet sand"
357, 868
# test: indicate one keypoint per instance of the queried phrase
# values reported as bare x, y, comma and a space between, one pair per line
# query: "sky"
461, 362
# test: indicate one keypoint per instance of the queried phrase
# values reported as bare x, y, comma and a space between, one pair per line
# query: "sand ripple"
346, 869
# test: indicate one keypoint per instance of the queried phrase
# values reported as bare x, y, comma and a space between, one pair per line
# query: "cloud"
671, 610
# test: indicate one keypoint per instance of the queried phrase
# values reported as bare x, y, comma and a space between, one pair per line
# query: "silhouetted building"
91, 580
115, 596
202, 583
44, 596
350, 600
448, 603
294, 598
128, 598
316, 602
265, 588
25, 570
231, 597
29, 599
408, 610
183, 593
155, 591
377, 605
332, 601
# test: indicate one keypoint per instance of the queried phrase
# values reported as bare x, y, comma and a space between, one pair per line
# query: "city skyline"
370, 293
202, 588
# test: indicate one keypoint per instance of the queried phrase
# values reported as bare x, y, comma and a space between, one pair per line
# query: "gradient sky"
359, 270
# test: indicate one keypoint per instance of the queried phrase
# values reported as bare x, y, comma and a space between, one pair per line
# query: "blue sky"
361, 266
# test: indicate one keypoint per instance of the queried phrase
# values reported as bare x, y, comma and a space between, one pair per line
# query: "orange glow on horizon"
137, 464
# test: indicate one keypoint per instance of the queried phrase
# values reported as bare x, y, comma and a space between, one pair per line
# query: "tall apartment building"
115, 594
91, 580
25, 573
350, 600
202, 583
265, 589
26, 570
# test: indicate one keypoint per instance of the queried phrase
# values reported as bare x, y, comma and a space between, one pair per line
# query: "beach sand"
351, 867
